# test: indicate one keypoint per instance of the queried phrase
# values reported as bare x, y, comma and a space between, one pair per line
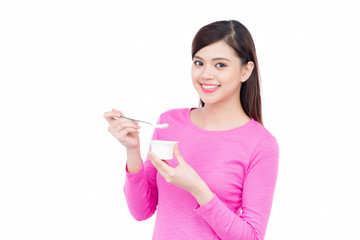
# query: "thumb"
117, 111
177, 154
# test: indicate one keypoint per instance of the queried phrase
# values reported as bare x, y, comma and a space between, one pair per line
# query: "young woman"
221, 182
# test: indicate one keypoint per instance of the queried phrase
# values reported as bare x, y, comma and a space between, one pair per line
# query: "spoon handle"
137, 120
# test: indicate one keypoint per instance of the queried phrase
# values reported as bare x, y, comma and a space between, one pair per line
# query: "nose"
207, 73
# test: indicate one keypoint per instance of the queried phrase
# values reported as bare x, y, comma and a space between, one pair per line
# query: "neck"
223, 116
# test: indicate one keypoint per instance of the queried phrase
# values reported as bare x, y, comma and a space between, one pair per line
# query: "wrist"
133, 162
202, 193
133, 151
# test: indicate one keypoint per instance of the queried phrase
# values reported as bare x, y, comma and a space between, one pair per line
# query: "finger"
177, 154
111, 116
165, 162
161, 166
117, 111
119, 125
122, 134
119, 131
123, 120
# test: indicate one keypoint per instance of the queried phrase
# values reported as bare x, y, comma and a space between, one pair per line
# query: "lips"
209, 88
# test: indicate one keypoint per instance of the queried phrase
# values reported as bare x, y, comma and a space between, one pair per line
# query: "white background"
64, 63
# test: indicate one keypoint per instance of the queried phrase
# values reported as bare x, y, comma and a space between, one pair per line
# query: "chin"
208, 101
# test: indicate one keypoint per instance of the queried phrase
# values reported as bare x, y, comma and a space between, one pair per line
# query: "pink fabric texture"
240, 167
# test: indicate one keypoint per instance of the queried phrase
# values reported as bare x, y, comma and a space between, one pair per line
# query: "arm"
140, 185
258, 189
141, 192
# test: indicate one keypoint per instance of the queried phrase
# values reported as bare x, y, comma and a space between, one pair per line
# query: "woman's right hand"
124, 130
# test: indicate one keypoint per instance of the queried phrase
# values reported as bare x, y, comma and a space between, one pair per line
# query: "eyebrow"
214, 59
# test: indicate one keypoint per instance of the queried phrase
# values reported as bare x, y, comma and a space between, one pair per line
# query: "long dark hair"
237, 36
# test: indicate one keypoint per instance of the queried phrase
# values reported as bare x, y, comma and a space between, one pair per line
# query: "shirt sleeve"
251, 220
140, 189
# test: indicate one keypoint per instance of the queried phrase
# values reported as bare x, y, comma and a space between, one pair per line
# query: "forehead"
217, 49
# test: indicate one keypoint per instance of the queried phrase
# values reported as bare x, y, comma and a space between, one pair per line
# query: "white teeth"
209, 87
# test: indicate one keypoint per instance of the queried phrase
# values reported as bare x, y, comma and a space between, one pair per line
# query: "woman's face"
217, 73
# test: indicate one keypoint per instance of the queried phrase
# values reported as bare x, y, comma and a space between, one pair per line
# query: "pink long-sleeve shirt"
239, 166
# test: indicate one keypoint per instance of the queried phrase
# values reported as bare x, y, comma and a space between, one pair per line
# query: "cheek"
195, 73
233, 78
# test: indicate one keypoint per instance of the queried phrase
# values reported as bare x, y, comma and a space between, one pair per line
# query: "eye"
220, 65
198, 63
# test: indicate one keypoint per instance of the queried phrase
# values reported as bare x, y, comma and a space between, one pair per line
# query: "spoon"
164, 125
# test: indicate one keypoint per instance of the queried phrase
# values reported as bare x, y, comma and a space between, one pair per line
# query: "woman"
221, 182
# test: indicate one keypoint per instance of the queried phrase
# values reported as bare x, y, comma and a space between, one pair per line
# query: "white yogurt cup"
163, 149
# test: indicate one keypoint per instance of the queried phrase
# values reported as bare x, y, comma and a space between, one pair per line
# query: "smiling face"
217, 73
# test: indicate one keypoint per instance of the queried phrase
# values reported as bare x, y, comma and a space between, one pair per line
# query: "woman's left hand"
183, 175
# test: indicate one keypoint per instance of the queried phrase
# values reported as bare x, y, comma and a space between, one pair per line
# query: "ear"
246, 71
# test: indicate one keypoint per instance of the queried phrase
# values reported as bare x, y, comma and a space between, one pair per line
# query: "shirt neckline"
192, 125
